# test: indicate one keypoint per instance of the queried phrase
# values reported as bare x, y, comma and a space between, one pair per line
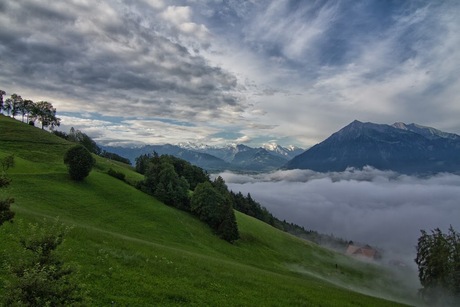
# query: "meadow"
130, 249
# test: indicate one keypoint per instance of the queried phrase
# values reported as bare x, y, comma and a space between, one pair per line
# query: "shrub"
115, 174
79, 162
40, 277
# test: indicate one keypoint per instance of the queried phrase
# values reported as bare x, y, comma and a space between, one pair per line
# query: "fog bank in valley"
381, 208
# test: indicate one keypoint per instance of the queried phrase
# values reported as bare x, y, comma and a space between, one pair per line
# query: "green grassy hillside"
133, 250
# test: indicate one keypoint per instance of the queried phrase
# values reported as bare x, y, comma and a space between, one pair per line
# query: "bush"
115, 174
40, 277
79, 162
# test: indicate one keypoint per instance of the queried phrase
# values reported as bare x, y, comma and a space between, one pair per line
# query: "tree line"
182, 185
249, 206
31, 111
170, 179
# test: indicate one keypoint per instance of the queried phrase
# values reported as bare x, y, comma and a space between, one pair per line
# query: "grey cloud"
106, 55
380, 208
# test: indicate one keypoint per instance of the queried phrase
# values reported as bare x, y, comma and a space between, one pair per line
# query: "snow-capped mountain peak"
428, 132
288, 152
270, 146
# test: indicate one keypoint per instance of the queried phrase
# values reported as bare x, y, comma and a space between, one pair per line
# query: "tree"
46, 114
2, 93
5, 211
79, 162
39, 276
438, 261
79, 137
214, 208
7, 162
207, 203
228, 228
26, 108
8, 106
171, 189
142, 163
17, 101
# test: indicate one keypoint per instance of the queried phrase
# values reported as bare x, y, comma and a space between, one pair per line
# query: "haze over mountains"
403, 148
212, 158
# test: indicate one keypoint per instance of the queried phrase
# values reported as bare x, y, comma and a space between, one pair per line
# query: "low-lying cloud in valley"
381, 208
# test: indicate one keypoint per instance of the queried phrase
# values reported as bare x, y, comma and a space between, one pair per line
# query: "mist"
381, 208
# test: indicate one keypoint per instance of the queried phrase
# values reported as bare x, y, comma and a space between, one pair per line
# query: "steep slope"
384, 147
133, 250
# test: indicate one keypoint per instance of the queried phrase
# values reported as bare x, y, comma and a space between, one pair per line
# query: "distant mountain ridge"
405, 148
234, 157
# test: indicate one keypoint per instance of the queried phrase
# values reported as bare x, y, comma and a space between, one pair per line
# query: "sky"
381, 208
131, 72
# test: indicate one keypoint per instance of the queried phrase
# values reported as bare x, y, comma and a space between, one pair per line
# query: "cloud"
243, 139
115, 57
305, 24
285, 70
380, 208
135, 132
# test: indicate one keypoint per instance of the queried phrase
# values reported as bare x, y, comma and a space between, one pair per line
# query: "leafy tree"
215, 209
142, 163
46, 114
79, 162
25, 108
208, 204
193, 174
438, 263
2, 93
39, 276
171, 189
16, 103
8, 106
151, 168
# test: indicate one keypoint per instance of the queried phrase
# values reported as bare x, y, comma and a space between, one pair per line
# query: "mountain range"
404, 148
234, 157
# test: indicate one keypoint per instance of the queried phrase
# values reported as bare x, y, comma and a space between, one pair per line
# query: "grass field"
132, 250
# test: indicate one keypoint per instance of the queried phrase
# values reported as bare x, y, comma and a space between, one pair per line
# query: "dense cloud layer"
250, 71
371, 206
113, 55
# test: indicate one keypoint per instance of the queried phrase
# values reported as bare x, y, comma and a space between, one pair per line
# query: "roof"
364, 251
